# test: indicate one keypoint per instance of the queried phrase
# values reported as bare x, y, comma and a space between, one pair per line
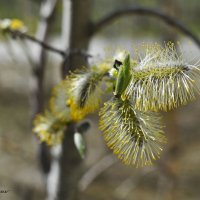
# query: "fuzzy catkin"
48, 128
136, 137
84, 93
162, 80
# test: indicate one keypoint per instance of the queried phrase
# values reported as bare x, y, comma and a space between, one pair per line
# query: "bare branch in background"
47, 10
18, 34
144, 11
96, 170
63, 53
130, 183
46, 13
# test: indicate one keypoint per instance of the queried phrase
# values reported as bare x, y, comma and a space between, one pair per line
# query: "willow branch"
96, 170
63, 53
18, 34
99, 25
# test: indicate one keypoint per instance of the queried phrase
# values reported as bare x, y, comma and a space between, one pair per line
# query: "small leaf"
124, 77
80, 144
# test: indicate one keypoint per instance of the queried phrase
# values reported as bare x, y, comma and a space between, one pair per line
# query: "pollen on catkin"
84, 93
48, 128
13, 25
136, 137
163, 80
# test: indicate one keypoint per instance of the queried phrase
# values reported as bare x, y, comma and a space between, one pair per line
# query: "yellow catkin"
84, 93
16, 24
136, 137
77, 114
48, 128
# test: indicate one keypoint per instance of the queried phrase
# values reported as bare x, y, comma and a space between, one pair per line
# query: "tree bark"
47, 11
80, 26
71, 165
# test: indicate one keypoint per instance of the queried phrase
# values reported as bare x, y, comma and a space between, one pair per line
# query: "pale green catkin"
136, 137
163, 81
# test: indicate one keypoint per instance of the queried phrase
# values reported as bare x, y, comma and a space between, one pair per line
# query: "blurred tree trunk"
78, 34
71, 165
47, 11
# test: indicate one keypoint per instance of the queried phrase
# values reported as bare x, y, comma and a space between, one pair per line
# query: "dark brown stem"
37, 96
99, 25
63, 53
96, 170
71, 165
18, 34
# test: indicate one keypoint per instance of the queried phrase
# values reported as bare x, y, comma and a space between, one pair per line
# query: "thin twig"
144, 11
18, 34
96, 170
63, 53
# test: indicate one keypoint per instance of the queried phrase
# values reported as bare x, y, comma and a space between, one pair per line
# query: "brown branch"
18, 34
129, 184
63, 53
143, 12
47, 11
99, 167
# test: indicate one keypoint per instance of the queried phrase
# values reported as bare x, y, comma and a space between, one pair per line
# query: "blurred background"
175, 176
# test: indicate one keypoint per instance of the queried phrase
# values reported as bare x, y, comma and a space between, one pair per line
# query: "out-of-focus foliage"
13, 8
188, 13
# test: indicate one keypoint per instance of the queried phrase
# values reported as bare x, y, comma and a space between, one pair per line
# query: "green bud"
80, 144
123, 77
